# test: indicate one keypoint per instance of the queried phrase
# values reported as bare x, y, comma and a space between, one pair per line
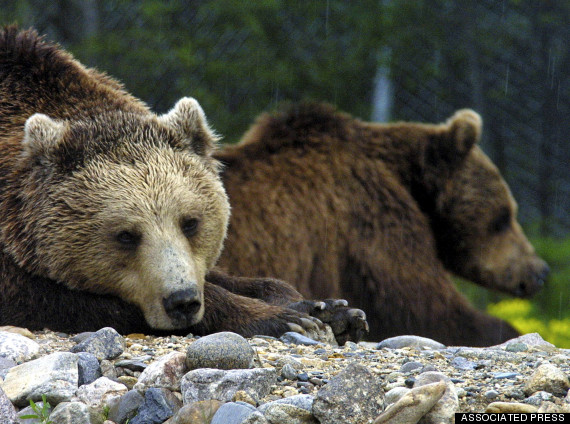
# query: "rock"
395, 394
530, 340
299, 401
256, 418
444, 410
70, 413
289, 372
516, 347
157, 407
88, 368
243, 396
132, 364
501, 375
7, 410
411, 407
538, 398
411, 366
100, 392
5, 365
399, 342
104, 344
463, 364
196, 413
108, 369
165, 372
340, 401
208, 383
292, 337
54, 376
18, 330
124, 407
510, 408
232, 413
491, 394
278, 413
223, 351
547, 378
16, 347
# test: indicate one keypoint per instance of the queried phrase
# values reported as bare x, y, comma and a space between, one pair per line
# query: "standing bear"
379, 215
113, 216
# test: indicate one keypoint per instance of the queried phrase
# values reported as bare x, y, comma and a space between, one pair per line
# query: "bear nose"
542, 275
182, 305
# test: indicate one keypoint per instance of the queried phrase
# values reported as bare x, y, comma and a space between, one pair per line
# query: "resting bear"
113, 216
378, 214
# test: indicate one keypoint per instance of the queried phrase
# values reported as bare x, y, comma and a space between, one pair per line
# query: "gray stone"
399, 342
289, 372
538, 397
165, 372
54, 376
530, 339
255, 418
501, 375
70, 413
158, 406
299, 401
491, 394
463, 364
208, 383
100, 392
278, 413
132, 364
411, 366
395, 394
341, 400
17, 347
88, 368
444, 410
232, 413
292, 337
548, 378
5, 365
516, 347
104, 344
196, 413
124, 407
7, 410
415, 404
223, 351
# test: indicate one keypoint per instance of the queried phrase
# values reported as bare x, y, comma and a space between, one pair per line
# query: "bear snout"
535, 282
182, 306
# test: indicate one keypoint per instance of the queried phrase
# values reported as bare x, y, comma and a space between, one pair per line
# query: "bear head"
123, 203
474, 214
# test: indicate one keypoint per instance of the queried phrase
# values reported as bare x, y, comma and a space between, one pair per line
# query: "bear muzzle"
534, 283
183, 306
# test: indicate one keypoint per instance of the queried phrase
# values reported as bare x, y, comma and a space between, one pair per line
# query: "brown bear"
378, 214
113, 216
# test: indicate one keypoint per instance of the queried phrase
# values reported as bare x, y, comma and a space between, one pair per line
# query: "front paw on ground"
347, 324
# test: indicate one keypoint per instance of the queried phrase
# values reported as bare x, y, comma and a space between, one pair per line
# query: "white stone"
100, 392
17, 347
165, 372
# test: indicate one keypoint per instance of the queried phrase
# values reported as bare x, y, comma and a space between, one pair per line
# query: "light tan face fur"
142, 231
485, 241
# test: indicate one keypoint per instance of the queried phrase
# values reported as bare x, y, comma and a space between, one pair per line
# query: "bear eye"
128, 239
190, 226
502, 222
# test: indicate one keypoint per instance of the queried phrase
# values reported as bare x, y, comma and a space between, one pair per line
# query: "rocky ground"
223, 378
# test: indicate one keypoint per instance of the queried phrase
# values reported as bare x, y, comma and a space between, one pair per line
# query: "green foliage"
41, 414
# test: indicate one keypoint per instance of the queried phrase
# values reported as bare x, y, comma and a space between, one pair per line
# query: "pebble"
289, 372
411, 366
159, 404
196, 412
70, 413
208, 383
510, 407
232, 413
88, 368
340, 401
413, 405
548, 378
400, 342
7, 410
292, 337
491, 394
165, 372
100, 392
278, 413
462, 363
104, 344
124, 407
16, 347
55, 376
223, 351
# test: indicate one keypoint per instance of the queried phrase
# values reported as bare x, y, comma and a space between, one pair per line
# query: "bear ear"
41, 135
464, 132
188, 119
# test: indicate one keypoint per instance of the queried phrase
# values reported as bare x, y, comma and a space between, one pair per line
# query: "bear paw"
347, 324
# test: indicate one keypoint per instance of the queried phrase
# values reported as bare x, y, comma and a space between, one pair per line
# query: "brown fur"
108, 212
377, 214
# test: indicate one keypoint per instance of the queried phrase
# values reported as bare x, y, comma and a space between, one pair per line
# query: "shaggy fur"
378, 214
113, 216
